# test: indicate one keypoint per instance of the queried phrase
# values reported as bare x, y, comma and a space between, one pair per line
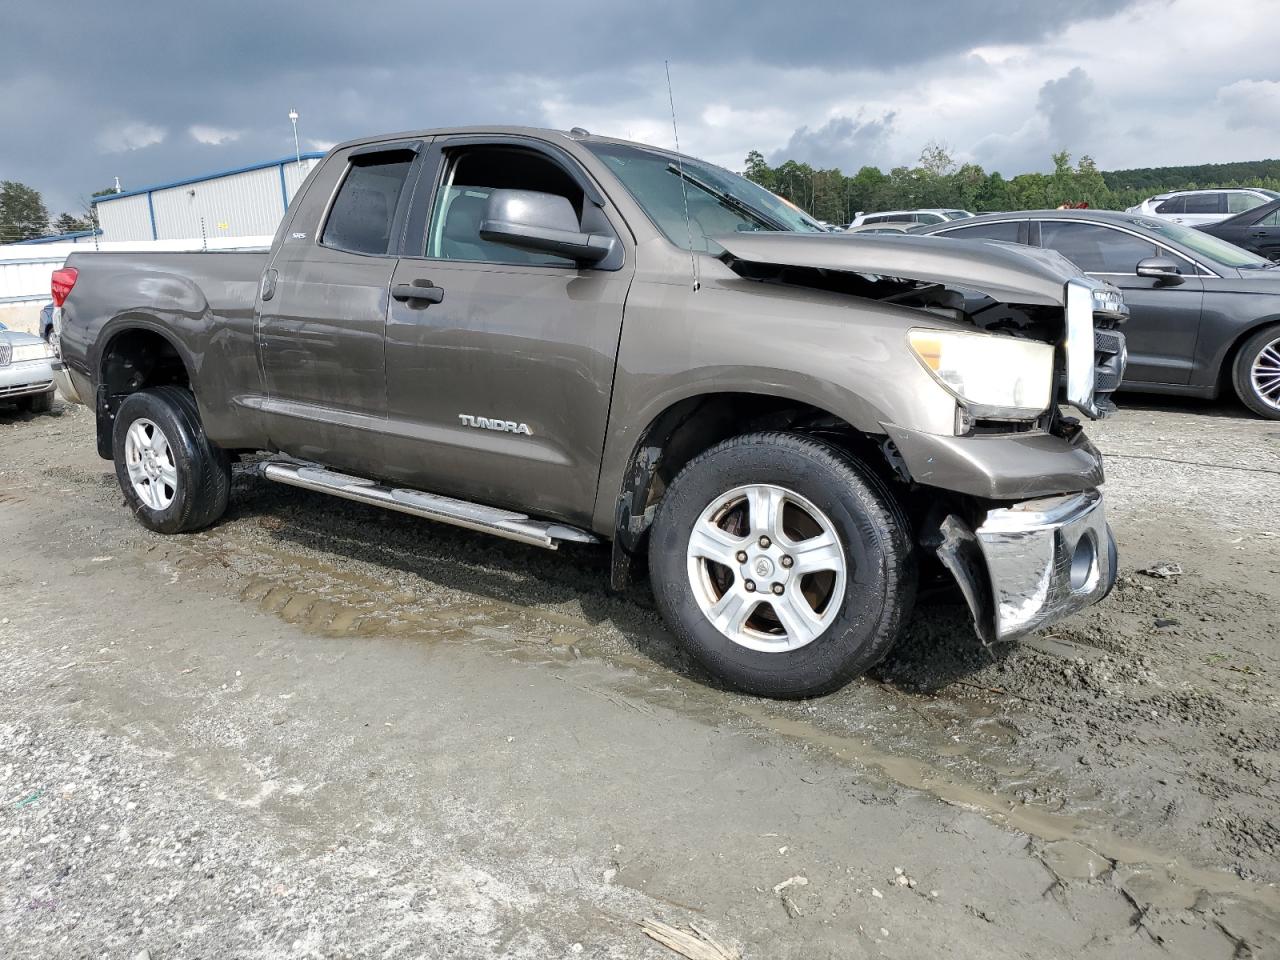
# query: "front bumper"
25, 378
1033, 563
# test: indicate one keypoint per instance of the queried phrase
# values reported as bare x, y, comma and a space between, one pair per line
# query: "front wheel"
782, 564
1257, 373
174, 479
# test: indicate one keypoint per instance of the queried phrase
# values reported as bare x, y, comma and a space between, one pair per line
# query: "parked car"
1195, 207
46, 321
26, 370
1204, 315
559, 338
1257, 230
908, 217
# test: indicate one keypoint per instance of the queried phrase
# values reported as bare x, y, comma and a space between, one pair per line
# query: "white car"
1194, 207
26, 370
936, 215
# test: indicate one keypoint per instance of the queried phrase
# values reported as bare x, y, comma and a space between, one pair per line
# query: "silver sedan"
26, 370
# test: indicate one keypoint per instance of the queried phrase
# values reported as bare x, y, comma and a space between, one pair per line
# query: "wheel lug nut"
742, 556
765, 541
787, 561
777, 589
750, 586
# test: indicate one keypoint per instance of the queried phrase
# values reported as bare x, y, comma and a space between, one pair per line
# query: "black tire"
203, 470
874, 534
1242, 373
38, 402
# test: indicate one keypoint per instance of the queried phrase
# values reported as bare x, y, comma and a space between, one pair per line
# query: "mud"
322, 713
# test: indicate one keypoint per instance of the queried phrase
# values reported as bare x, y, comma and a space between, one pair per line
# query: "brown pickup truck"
554, 337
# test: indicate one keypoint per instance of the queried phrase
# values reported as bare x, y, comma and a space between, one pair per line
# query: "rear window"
1003, 230
1173, 205
365, 207
1204, 203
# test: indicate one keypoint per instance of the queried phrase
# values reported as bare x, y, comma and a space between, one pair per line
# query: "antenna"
684, 184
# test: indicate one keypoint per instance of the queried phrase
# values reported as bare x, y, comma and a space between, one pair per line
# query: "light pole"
293, 118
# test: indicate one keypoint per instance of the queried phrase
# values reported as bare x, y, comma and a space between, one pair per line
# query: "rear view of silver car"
26, 371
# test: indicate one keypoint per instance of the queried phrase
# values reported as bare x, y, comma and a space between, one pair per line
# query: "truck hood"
1008, 272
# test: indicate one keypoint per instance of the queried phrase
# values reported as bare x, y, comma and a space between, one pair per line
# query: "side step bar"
460, 513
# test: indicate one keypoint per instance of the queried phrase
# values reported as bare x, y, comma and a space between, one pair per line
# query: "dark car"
1257, 230
1204, 314
46, 321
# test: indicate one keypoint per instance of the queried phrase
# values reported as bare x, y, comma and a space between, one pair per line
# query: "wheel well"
689, 427
1226, 372
133, 360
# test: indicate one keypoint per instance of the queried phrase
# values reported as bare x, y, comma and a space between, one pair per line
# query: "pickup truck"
558, 337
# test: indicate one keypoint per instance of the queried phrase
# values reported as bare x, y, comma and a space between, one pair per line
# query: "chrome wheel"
766, 568
1265, 374
149, 460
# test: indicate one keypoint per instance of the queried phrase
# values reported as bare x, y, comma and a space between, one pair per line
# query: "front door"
1164, 319
499, 375
323, 317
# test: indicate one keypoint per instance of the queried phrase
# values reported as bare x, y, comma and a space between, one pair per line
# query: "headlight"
31, 351
993, 376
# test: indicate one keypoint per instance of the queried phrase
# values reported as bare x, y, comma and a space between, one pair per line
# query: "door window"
1204, 203
1173, 205
1270, 220
1094, 248
1001, 230
1240, 202
365, 207
472, 174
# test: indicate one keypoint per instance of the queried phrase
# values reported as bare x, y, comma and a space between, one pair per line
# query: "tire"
1256, 384
39, 403
186, 484
865, 607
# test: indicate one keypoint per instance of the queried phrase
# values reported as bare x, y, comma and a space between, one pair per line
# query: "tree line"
938, 181
23, 215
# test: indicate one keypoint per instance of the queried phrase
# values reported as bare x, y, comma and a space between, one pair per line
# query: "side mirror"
1161, 269
542, 222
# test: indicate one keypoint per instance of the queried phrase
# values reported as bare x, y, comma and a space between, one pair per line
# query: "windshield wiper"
726, 198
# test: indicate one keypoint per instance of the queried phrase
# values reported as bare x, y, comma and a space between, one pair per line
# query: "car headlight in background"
31, 351
993, 376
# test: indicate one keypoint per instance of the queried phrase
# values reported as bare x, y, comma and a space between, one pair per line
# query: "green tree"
66, 223
756, 168
22, 212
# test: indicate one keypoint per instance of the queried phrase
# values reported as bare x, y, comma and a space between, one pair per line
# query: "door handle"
1258, 233
424, 294
269, 284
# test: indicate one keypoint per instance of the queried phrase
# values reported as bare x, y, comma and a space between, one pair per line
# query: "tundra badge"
485, 423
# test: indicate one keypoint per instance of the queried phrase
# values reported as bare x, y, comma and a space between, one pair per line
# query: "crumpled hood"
1008, 272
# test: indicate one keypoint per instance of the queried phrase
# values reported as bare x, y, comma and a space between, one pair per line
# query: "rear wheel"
782, 564
174, 479
1257, 373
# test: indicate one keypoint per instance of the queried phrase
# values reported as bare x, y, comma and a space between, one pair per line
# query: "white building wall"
241, 204
125, 219
244, 204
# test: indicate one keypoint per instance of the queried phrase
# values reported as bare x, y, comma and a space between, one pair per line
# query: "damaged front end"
1032, 563
1009, 500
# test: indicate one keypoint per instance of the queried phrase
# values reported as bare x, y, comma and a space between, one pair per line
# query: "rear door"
1164, 320
1207, 207
324, 308
499, 380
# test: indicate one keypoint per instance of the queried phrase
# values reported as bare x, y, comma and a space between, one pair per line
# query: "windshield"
1206, 245
720, 202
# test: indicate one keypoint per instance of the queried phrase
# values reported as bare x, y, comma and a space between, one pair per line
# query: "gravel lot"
321, 730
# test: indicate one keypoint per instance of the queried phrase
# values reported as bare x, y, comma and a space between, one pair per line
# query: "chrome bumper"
66, 386
1033, 563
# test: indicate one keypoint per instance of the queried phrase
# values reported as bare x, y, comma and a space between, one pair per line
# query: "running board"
431, 506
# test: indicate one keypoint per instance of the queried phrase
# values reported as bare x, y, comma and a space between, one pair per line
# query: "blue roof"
60, 237
207, 176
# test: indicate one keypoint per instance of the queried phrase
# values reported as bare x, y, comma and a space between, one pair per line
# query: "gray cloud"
1250, 103
105, 77
846, 142
1070, 115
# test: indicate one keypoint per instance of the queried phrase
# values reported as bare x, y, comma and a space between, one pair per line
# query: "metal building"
244, 202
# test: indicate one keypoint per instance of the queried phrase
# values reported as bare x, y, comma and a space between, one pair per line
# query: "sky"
150, 92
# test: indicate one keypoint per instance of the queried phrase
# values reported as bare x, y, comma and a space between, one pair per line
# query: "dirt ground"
321, 730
